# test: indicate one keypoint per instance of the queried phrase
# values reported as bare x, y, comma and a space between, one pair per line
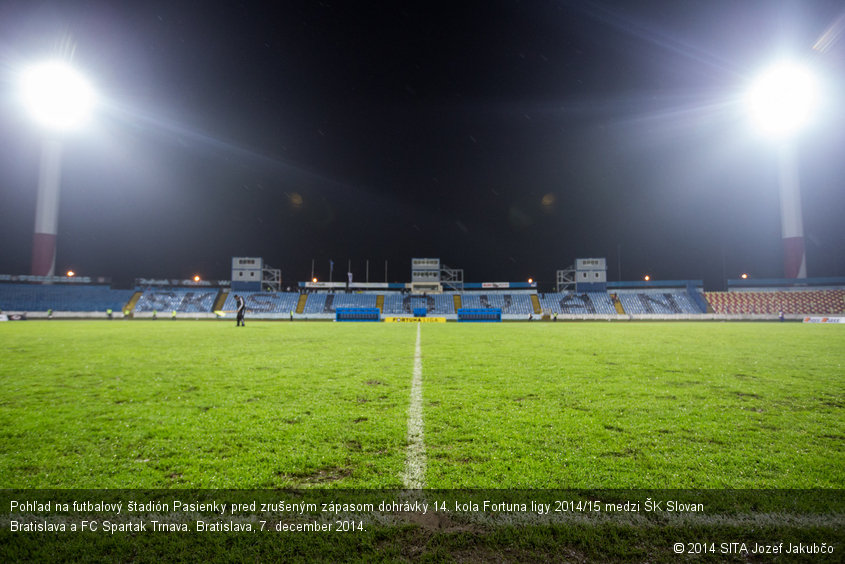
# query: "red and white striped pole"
47, 210
59, 99
791, 223
781, 102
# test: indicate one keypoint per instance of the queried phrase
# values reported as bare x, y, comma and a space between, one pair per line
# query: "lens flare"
783, 99
57, 96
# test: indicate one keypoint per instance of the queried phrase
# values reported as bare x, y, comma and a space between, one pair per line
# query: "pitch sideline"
415, 463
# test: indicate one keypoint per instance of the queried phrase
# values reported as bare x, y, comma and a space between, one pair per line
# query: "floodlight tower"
60, 100
781, 102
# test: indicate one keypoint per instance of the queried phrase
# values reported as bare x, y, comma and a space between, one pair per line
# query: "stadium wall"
279, 305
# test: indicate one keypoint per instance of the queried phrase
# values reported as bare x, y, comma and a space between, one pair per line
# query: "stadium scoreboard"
425, 274
247, 273
590, 275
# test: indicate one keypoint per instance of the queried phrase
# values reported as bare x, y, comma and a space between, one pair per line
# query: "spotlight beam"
60, 100
782, 101
57, 96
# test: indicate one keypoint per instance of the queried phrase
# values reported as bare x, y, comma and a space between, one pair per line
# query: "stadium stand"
394, 304
514, 304
401, 304
666, 303
58, 297
329, 303
573, 303
264, 302
800, 302
697, 297
176, 299
328, 306
418, 302
630, 299
444, 304
315, 303
354, 301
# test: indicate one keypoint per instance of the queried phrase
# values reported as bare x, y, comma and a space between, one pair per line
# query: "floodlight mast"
781, 102
60, 100
791, 220
47, 210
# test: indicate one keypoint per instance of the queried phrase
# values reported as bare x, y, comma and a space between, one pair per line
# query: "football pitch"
515, 442
203, 404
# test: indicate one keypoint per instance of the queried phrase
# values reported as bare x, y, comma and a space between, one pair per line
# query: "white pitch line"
414, 476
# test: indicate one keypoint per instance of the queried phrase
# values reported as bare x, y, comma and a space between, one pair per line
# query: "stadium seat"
802, 302
514, 304
182, 300
330, 303
575, 303
404, 304
62, 297
660, 302
264, 302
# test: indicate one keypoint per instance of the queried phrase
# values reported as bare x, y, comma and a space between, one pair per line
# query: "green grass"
673, 405
162, 404
179, 406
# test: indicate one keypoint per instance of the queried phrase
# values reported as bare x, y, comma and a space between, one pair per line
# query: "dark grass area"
411, 543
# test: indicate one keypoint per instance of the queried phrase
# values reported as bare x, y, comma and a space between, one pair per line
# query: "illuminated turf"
564, 405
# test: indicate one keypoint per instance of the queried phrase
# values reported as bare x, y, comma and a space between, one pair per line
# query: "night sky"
506, 138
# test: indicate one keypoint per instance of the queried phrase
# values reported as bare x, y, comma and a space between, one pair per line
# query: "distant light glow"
831, 35
783, 99
70, 274
530, 280
197, 278
646, 277
57, 96
744, 276
314, 280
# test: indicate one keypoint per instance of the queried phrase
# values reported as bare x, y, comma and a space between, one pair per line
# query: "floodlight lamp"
744, 276
70, 274
646, 277
783, 99
314, 280
57, 96
197, 278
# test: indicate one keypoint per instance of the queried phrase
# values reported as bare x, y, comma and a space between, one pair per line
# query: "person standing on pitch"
239, 301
